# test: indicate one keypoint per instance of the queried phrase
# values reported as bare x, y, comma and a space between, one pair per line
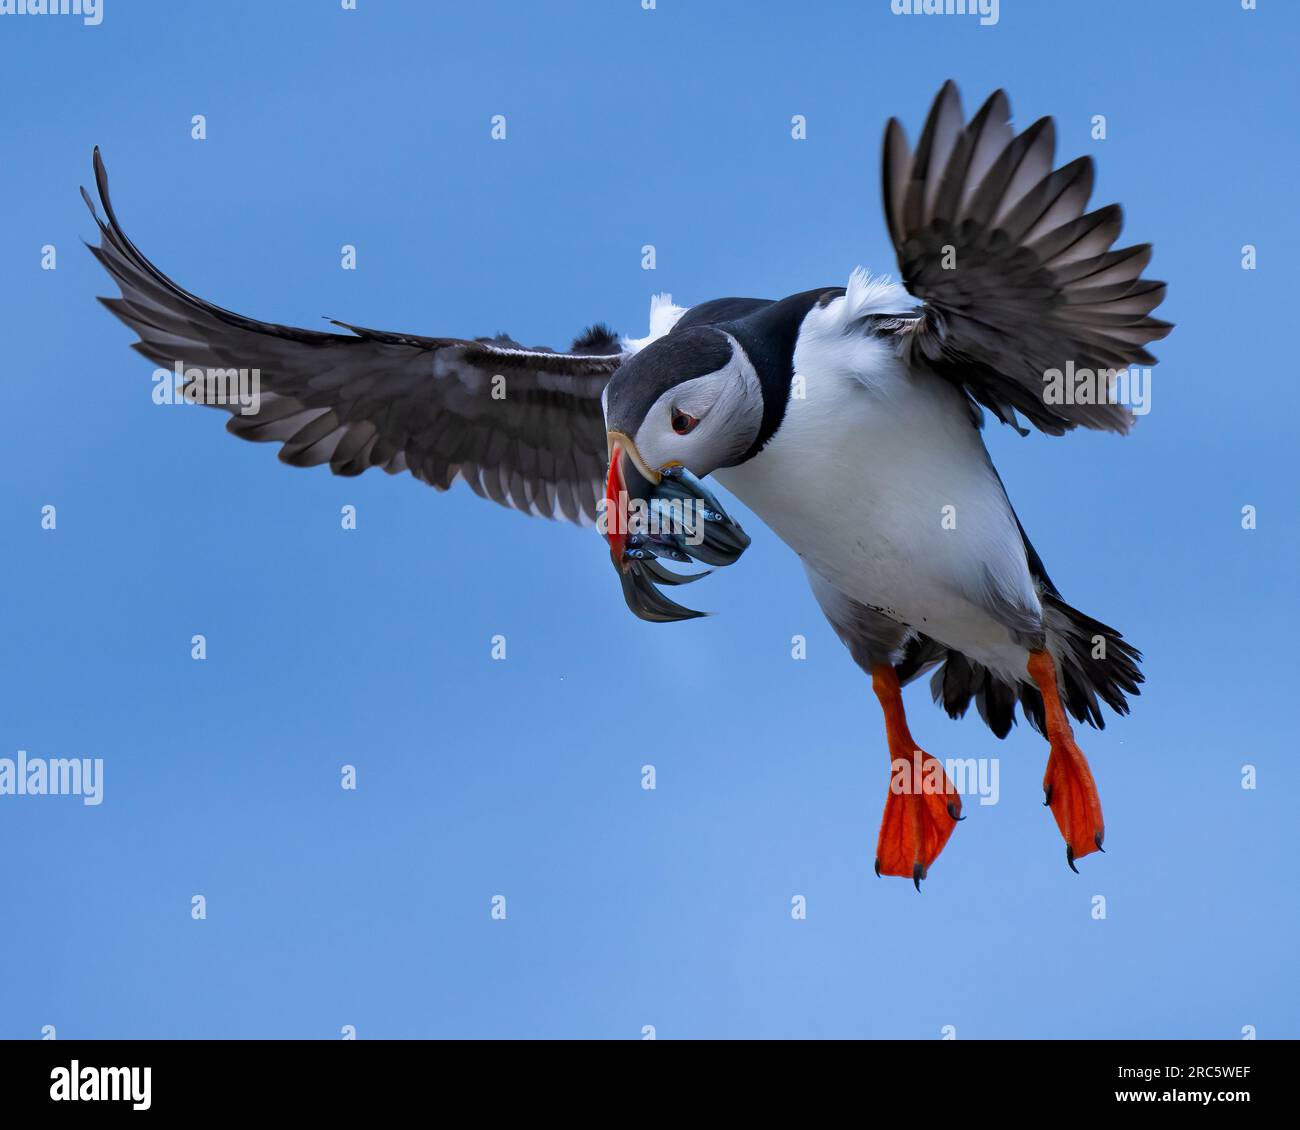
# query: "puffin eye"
683, 422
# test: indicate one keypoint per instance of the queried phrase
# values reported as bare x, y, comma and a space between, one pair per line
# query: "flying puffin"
871, 394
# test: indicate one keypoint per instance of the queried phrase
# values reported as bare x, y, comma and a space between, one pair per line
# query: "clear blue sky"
522, 778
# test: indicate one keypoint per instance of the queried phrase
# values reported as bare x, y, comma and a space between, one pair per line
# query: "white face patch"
729, 406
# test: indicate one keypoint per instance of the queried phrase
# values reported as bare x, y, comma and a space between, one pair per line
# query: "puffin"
1012, 300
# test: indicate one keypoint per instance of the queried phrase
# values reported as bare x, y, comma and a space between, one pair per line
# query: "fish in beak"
667, 513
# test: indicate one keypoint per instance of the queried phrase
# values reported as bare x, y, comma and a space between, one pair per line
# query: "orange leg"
1068, 782
923, 807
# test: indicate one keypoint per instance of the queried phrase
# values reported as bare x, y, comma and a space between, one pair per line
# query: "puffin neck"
768, 337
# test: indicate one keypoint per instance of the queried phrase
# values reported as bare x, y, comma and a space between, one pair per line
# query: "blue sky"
521, 777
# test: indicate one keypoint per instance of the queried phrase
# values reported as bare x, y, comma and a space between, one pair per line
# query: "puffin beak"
629, 477
678, 520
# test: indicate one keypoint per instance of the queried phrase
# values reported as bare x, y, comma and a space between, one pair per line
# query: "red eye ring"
683, 422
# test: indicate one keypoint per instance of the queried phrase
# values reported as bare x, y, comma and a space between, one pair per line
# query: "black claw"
1097, 840
1069, 857
877, 869
918, 873
952, 811
1047, 795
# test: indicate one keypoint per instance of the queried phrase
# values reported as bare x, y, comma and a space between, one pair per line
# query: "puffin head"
677, 410
690, 399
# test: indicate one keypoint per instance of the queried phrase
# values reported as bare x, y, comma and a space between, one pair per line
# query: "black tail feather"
1096, 666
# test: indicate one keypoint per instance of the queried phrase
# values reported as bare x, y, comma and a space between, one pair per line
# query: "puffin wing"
523, 427
1016, 277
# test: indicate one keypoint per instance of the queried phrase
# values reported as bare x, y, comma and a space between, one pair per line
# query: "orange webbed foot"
923, 807
1072, 796
1068, 786
922, 810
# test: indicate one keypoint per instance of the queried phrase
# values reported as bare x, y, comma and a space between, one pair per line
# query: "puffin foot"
923, 807
1068, 786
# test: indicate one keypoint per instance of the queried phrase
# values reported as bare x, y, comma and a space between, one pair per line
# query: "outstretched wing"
523, 427
1016, 278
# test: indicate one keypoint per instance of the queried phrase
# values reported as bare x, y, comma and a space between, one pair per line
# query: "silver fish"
689, 524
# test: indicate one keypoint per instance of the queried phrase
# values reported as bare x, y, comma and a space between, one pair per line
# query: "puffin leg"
923, 807
1068, 784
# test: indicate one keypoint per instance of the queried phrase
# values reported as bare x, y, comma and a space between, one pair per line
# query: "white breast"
879, 481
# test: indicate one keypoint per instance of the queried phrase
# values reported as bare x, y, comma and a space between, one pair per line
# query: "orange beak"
625, 467
615, 523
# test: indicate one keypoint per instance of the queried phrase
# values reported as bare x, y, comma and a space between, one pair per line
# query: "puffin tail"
1097, 665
